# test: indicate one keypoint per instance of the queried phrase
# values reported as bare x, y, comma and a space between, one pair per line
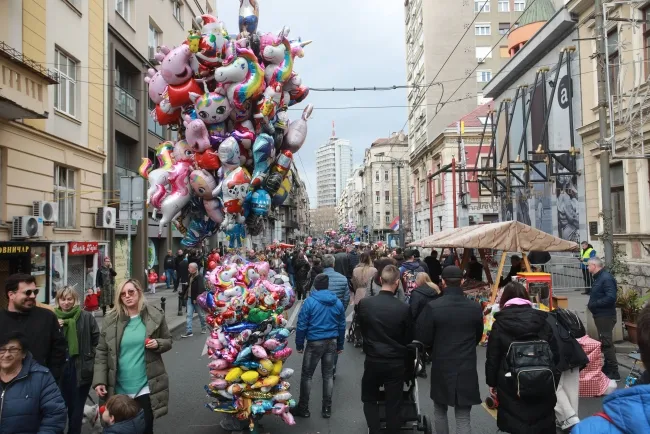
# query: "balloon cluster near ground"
248, 344
227, 97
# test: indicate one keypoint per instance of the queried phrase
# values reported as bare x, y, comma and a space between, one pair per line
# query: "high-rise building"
432, 31
333, 168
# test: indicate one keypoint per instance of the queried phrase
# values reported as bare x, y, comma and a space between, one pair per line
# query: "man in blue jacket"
625, 411
602, 304
322, 322
337, 281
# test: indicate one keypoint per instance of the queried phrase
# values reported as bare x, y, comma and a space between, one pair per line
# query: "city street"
188, 374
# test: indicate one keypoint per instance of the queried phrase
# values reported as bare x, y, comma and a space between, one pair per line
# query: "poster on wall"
566, 193
151, 254
523, 210
120, 262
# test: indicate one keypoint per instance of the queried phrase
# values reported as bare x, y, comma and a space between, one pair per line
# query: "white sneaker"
570, 423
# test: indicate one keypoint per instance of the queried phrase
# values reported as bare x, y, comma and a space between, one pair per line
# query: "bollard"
180, 304
162, 303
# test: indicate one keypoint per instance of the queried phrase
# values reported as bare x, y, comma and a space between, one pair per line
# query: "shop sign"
83, 248
14, 250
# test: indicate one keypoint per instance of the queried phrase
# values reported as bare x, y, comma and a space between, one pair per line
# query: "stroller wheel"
428, 428
490, 403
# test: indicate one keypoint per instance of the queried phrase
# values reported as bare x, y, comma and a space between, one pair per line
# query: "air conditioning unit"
27, 226
49, 211
106, 218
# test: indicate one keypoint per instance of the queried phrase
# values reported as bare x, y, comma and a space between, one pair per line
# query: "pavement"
188, 374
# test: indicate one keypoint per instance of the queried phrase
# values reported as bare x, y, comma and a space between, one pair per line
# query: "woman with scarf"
106, 284
82, 334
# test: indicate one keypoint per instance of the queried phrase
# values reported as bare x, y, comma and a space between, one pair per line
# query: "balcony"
126, 104
23, 86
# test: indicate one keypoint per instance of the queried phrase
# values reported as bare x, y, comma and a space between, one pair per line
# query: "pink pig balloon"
196, 134
175, 67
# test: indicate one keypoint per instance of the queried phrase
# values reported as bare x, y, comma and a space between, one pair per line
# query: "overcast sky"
356, 43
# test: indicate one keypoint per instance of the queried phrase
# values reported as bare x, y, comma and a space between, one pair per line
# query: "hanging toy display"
227, 96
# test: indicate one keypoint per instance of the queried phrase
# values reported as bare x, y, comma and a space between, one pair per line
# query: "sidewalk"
171, 307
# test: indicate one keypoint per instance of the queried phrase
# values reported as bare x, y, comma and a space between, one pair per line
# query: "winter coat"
453, 326
519, 323
571, 354
628, 409
373, 289
169, 263
338, 285
108, 353
361, 276
88, 338
435, 269
353, 260
301, 271
322, 316
342, 264
420, 297
602, 298
130, 426
32, 402
196, 286
182, 274
105, 281
315, 271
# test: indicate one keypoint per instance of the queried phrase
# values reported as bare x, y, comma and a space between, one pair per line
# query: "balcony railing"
126, 104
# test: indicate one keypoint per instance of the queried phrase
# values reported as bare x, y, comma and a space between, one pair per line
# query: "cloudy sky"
356, 43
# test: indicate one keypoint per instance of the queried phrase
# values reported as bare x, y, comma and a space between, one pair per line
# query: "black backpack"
530, 369
571, 322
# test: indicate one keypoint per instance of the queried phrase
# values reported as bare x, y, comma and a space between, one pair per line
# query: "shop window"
65, 195
618, 198
38, 267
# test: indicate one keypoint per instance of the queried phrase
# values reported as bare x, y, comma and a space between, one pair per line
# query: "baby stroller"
354, 332
412, 419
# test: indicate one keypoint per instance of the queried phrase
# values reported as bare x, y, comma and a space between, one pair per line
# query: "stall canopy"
509, 236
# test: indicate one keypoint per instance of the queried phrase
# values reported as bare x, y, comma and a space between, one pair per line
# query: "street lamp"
400, 164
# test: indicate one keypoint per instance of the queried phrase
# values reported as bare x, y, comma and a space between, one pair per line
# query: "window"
618, 198
387, 217
377, 196
387, 196
504, 28
483, 53
646, 38
123, 7
65, 93
483, 76
64, 194
377, 218
153, 126
385, 175
377, 175
178, 11
520, 5
154, 40
614, 59
482, 29
423, 191
504, 5
481, 6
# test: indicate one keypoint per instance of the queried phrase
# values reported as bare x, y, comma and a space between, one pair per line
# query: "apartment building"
628, 45
333, 168
433, 28
52, 146
135, 30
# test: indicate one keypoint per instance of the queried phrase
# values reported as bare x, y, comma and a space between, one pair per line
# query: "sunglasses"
29, 292
128, 293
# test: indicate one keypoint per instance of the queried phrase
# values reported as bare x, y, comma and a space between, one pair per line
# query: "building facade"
333, 168
432, 31
135, 30
322, 219
432, 179
627, 41
380, 195
52, 143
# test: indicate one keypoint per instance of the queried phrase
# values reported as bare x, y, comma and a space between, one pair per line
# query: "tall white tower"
333, 168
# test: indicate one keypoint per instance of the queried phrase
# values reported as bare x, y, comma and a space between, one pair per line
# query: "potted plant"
631, 303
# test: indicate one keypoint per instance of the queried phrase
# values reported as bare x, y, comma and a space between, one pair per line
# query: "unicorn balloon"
158, 178
203, 183
242, 75
173, 204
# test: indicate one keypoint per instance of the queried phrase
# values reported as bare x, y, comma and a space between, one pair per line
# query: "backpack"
571, 322
530, 369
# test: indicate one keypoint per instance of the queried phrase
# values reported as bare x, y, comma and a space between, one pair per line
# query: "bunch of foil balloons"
227, 97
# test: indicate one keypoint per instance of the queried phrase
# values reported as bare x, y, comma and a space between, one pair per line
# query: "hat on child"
322, 281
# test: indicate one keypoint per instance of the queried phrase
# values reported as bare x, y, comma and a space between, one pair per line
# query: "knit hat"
321, 281
452, 272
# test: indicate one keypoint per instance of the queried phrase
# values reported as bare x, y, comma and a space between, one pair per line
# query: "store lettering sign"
14, 250
82, 248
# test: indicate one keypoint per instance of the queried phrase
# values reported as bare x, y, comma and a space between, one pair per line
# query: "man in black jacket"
452, 325
194, 288
342, 262
387, 328
170, 266
40, 327
435, 268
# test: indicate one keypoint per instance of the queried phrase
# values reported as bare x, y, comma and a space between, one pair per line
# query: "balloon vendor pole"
128, 236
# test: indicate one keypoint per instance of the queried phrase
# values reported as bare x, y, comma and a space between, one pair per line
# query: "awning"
509, 236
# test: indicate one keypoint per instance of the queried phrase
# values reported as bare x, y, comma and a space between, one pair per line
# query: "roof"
539, 10
510, 236
471, 119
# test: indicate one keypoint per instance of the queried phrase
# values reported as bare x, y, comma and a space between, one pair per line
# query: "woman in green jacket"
129, 356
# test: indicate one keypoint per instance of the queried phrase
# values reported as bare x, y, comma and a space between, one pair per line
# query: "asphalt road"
188, 374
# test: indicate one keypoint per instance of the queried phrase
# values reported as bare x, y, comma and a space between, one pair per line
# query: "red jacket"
91, 303
153, 277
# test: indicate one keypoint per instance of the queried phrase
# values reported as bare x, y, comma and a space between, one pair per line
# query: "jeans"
170, 276
191, 307
390, 374
463, 425
292, 280
145, 404
76, 409
568, 395
318, 351
605, 326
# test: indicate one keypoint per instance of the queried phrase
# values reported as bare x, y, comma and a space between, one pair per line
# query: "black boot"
327, 411
298, 411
